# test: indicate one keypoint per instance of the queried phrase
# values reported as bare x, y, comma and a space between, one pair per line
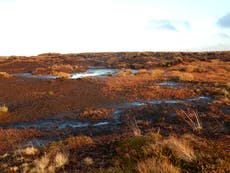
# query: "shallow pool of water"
47, 125
30, 75
168, 83
89, 73
167, 101
93, 72
60, 124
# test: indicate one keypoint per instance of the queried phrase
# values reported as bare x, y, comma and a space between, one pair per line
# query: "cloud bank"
168, 25
224, 21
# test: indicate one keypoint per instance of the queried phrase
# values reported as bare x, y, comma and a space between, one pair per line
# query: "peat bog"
115, 112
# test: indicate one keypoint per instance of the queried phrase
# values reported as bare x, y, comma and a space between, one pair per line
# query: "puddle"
89, 73
30, 75
101, 124
72, 126
134, 104
93, 72
201, 98
166, 101
54, 124
157, 102
168, 83
61, 124
175, 101
226, 110
116, 114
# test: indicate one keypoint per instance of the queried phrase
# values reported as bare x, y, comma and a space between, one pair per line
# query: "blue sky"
30, 27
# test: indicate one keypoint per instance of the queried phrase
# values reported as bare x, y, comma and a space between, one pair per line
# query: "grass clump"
131, 150
62, 75
152, 166
141, 72
95, 114
228, 85
125, 72
60, 160
3, 109
189, 68
181, 76
71, 143
134, 146
180, 149
225, 92
154, 153
41, 164
5, 75
191, 118
47, 164
156, 72
28, 151
185, 77
88, 161
63, 68
79, 141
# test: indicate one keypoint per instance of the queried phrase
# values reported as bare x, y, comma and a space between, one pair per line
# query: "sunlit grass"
3, 109
191, 118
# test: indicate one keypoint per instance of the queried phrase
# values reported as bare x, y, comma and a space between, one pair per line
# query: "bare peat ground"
115, 112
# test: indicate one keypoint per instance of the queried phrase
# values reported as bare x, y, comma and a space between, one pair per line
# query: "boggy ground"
157, 112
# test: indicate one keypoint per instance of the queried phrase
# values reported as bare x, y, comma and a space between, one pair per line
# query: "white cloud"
224, 21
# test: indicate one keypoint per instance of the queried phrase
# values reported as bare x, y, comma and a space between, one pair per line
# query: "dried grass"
61, 159
191, 118
153, 166
5, 75
141, 72
156, 72
181, 149
61, 75
3, 109
28, 151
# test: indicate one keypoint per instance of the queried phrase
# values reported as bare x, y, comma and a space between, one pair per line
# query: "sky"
31, 27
